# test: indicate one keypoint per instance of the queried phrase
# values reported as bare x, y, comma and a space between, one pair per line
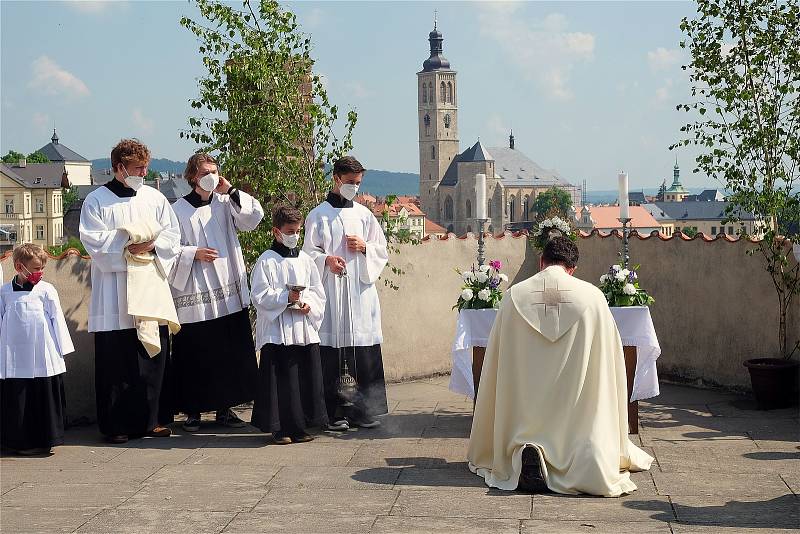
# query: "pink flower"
496, 265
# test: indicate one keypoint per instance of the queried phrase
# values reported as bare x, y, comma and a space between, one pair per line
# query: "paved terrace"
721, 467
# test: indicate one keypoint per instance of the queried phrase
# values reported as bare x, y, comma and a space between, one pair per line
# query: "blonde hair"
28, 251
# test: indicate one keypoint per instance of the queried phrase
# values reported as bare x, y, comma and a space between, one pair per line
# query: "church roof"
608, 217
58, 152
514, 168
657, 213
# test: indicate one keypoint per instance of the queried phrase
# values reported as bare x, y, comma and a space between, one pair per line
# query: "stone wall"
715, 305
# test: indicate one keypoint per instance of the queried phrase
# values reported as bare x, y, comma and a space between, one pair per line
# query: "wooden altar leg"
477, 364
630, 372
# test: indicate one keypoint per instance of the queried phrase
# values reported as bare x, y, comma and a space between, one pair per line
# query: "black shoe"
302, 438
192, 423
229, 418
281, 439
532, 478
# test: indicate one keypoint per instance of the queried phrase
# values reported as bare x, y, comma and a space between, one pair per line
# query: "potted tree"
744, 70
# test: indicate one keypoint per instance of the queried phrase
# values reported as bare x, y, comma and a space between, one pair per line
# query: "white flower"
468, 276
484, 268
467, 294
503, 277
484, 294
604, 279
625, 272
629, 289
481, 277
620, 277
616, 267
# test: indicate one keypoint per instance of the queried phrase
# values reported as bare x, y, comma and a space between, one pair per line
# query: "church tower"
437, 97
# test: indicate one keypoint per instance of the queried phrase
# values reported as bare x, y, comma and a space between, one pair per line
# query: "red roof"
395, 208
433, 228
606, 217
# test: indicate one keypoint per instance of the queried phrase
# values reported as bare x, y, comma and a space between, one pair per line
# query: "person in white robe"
127, 380
347, 243
551, 411
33, 342
214, 358
290, 303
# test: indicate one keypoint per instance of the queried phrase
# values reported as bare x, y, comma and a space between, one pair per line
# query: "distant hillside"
378, 183
158, 165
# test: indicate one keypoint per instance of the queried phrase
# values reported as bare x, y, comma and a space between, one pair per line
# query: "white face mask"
134, 182
209, 182
348, 191
289, 240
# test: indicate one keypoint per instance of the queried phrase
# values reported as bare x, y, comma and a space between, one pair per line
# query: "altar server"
347, 243
33, 342
214, 356
552, 411
128, 380
290, 301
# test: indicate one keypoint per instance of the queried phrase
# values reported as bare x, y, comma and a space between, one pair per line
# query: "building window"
525, 207
450, 92
39, 231
9, 205
469, 209
424, 93
433, 152
427, 122
443, 93
489, 209
730, 230
448, 209
39, 205
511, 209
713, 230
447, 121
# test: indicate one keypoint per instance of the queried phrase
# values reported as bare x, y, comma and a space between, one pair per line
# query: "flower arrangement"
621, 287
552, 227
481, 289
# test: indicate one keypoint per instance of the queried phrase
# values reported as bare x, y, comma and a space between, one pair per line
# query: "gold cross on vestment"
552, 296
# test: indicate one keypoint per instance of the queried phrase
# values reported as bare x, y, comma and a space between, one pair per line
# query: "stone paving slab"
328, 502
492, 505
32, 520
249, 523
716, 460
597, 527
437, 525
156, 521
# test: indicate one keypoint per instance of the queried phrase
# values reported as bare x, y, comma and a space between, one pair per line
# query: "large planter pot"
775, 382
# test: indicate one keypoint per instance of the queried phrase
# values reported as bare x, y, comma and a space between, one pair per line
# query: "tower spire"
435, 17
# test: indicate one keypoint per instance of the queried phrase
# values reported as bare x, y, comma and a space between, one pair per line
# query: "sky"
589, 88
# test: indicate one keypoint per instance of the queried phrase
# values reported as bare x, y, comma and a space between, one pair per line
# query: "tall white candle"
623, 195
480, 196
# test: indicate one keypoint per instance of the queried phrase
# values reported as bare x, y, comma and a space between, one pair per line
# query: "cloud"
41, 120
95, 6
664, 92
663, 59
51, 79
358, 90
315, 18
543, 49
144, 125
497, 129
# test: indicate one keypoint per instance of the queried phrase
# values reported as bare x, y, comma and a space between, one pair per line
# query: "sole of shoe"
282, 441
117, 439
367, 424
302, 439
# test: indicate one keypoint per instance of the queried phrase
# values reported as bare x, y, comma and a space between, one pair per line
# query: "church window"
427, 121
469, 209
511, 209
450, 92
424, 93
525, 208
448, 209
443, 93
489, 209
433, 152
447, 121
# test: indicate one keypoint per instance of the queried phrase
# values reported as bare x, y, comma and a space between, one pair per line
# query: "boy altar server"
288, 295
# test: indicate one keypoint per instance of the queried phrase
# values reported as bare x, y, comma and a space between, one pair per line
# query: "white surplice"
207, 290
276, 324
33, 332
325, 230
102, 216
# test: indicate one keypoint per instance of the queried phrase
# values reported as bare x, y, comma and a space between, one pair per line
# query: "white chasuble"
325, 231
277, 323
554, 378
205, 290
33, 332
102, 217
